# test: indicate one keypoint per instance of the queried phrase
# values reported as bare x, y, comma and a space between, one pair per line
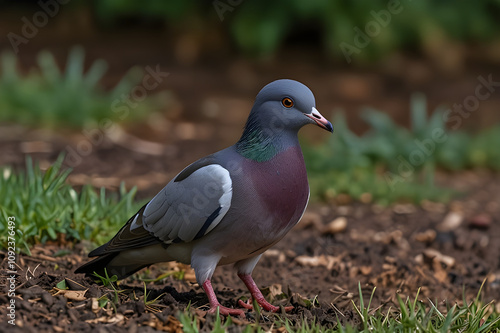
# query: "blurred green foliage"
49, 97
44, 206
259, 27
110, 11
394, 163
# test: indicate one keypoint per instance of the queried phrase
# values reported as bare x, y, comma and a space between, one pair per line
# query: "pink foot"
246, 305
214, 303
265, 305
257, 295
227, 311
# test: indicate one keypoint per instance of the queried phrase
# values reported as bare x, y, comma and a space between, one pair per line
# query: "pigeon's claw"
226, 311
246, 305
257, 295
265, 305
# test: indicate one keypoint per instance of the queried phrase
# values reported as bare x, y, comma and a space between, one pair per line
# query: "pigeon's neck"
256, 146
262, 144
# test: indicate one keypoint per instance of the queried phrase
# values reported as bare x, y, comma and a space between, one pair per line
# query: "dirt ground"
441, 249
438, 249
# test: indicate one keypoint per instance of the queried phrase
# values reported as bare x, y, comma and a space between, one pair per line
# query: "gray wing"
191, 205
187, 208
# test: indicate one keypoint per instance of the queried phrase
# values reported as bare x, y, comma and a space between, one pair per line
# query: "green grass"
410, 315
417, 316
49, 97
394, 163
44, 205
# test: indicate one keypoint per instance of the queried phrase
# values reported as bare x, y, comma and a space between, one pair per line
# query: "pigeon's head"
281, 108
287, 105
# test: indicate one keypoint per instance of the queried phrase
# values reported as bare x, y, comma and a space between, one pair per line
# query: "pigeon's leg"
214, 302
204, 263
245, 268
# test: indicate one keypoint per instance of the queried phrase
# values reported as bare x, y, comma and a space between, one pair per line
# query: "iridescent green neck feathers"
255, 145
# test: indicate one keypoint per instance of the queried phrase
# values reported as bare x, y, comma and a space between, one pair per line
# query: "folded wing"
187, 208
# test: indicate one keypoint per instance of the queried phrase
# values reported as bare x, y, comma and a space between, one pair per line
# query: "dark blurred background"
232, 48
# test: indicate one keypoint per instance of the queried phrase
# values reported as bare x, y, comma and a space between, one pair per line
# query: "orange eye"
287, 102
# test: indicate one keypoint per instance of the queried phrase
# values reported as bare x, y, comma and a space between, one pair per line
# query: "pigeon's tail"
103, 265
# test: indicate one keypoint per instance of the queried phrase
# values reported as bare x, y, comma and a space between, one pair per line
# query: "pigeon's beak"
320, 120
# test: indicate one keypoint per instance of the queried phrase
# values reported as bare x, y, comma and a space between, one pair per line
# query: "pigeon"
228, 207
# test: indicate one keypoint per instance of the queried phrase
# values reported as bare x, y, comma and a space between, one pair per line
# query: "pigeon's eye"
287, 102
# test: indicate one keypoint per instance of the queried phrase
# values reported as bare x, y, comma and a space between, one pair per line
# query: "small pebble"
25, 305
336, 226
32, 292
481, 221
451, 222
431, 254
427, 236
93, 291
47, 298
